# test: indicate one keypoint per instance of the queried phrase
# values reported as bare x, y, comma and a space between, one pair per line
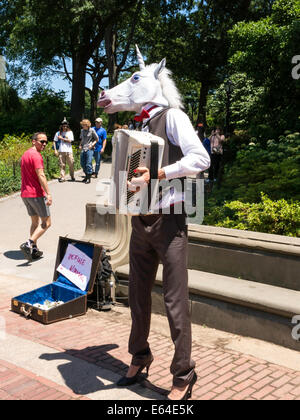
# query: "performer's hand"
138, 183
145, 173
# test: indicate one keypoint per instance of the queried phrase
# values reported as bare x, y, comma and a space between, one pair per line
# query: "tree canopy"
264, 50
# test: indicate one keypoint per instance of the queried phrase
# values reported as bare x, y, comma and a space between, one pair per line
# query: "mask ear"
160, 68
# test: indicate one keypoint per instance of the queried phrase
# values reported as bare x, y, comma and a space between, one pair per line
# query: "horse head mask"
151, 84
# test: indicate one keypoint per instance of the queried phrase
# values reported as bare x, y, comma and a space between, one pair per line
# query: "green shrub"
260, 188
277, 217
273, 170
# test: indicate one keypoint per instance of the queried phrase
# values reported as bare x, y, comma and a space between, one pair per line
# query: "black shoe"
61, 180
188, 393
36, 254
88, 179
84, 179
125, 381
96, 175
73, 179
26, 251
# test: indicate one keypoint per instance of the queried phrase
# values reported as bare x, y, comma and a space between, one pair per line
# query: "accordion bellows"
132, 149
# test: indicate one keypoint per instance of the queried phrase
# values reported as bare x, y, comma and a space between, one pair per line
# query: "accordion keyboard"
134, 162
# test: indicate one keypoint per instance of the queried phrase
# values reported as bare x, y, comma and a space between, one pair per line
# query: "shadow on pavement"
83, 379
17, 256
14, 255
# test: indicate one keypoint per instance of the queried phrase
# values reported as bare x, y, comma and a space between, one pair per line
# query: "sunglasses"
43, 141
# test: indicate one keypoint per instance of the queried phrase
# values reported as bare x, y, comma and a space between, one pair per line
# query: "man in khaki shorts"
35, 195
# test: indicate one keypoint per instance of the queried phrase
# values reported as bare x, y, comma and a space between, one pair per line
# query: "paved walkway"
82, 358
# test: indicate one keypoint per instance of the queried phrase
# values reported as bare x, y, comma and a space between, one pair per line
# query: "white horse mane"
169, 89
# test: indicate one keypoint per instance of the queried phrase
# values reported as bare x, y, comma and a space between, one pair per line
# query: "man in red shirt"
35, 194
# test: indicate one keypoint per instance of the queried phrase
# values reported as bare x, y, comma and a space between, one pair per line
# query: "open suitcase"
74, 299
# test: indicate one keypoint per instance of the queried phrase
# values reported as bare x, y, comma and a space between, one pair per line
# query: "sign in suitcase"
76, 267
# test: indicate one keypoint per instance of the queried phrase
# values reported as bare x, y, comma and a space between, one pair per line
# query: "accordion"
133, 149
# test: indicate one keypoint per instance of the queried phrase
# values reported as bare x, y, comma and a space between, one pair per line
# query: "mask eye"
136, 77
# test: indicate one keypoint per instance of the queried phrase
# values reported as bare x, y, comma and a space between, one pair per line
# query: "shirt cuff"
172, 171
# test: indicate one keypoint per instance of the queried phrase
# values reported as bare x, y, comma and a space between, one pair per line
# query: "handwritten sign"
76, 267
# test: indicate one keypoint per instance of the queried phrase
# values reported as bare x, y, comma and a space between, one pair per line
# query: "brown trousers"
160, 238
66, 158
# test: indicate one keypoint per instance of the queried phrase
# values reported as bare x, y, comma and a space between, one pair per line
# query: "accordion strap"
153, 168
154, 160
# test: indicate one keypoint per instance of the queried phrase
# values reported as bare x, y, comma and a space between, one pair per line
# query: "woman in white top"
63, 149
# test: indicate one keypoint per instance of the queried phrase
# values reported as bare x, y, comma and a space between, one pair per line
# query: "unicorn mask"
152, 84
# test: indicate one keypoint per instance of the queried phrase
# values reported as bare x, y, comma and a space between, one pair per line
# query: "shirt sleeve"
181, 133
95, 135
56, 136
104, 134
70, 135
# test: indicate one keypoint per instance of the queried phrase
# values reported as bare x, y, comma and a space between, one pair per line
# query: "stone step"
235, 305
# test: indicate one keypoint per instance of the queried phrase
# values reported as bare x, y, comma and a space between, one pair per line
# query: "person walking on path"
100, 146
216, 145
35, 195
88, 140
62, 145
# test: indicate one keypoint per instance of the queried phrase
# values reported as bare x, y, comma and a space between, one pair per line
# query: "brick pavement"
101, 339
20, 384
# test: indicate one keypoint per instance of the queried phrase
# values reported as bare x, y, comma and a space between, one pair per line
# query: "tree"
74, 29
198, 41
245, 103
9, 100
43, 111
264, 51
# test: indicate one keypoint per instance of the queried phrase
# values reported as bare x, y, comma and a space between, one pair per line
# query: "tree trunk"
94, 93
202, 104
78, 95
110, 47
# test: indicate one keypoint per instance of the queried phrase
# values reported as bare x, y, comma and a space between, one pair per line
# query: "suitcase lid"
94, 251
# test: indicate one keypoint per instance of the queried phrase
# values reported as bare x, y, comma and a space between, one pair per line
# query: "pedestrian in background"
88, 140
35, 195
216, 146
100, 145
206, 144
62, 145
